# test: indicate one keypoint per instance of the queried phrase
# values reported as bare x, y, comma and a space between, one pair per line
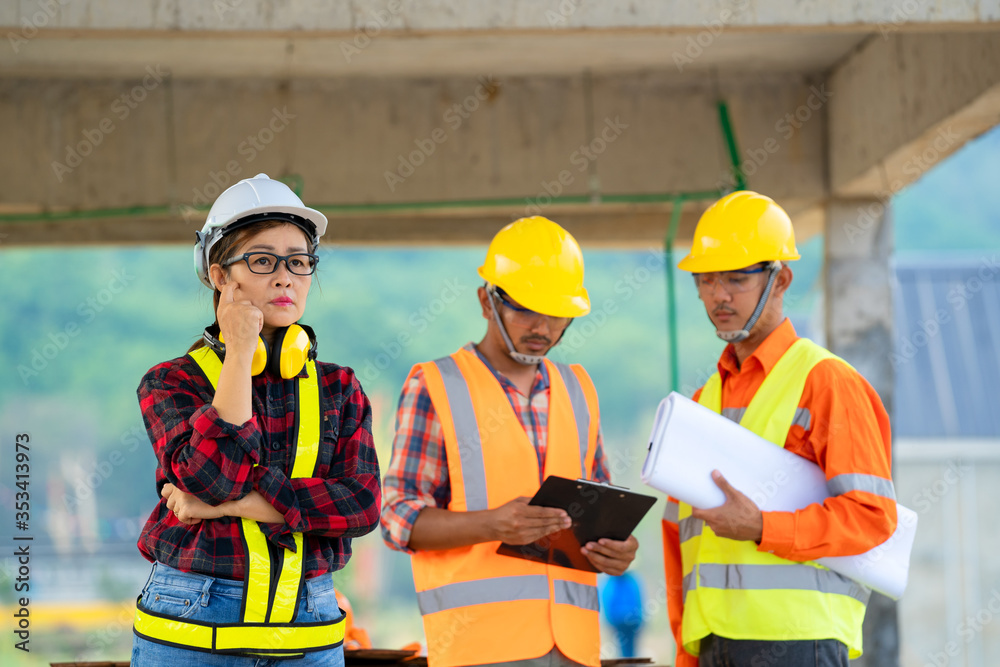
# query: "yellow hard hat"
741, 229
539, 264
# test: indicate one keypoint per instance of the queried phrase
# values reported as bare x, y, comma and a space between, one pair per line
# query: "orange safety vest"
479, 607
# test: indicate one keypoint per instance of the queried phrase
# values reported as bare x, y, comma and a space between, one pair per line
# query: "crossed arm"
190, 511
210, 468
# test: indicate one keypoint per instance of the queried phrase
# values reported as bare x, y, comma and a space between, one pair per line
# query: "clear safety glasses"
732, 282
523, 317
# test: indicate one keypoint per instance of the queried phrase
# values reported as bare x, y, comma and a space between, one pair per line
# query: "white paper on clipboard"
689, 441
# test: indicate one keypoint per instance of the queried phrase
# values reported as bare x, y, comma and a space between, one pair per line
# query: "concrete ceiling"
368, 81
70, 54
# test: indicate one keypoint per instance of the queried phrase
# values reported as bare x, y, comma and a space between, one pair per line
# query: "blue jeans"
553, 658
722, 652
196, 597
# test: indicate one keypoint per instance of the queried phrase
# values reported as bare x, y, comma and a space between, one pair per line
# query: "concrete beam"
454, 15
607, 226
155, 142
903, 104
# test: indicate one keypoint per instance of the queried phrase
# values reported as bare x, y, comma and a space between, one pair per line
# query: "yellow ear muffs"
260, 355
260, 359
291, 349
293, 346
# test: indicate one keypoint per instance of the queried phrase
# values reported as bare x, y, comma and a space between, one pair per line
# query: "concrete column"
859, 329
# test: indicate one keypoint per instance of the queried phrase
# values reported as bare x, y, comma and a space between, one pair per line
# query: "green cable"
739, 178
675, 219
734, 154
382, 207
296, 183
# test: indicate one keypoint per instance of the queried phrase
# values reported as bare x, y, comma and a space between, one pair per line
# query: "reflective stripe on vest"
784, 577
777, 599
287, 640
689, 528
467, 428
472, 600
266, 626
580, 411
671, 512
506, 589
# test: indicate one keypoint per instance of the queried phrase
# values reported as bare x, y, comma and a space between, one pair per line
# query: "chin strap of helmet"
526, 359
744, 333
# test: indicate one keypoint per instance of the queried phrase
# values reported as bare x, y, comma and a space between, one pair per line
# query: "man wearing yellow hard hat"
742, 587
476, 433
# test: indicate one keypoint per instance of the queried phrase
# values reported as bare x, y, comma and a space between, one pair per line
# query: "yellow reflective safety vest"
733, 590
479, 606
267, 626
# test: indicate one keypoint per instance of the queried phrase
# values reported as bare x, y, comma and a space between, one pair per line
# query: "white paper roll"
689, 441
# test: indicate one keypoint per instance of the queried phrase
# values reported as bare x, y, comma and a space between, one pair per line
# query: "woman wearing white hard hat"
266, 465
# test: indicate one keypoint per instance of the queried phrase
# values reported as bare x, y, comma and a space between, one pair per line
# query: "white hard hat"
253, 200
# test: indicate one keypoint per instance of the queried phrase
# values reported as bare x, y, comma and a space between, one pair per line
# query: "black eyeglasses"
299, 263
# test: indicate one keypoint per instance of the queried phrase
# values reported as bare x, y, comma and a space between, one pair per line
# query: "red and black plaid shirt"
216, 461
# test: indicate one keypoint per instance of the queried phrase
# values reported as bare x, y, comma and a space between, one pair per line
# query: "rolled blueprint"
689, 441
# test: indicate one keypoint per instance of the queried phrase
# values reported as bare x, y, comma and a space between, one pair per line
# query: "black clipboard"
597, 510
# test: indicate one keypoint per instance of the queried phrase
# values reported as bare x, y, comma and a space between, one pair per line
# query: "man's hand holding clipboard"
585, 525
519, 522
